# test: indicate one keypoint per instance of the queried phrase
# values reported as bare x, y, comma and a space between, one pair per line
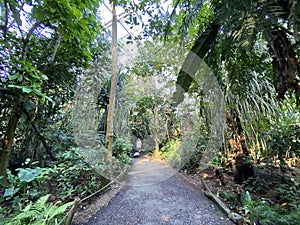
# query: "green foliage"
283, 132
252, 185
169, 149
73, 176
39, 213
181, 155
24, 187
28, 175
288, 193
218, 161
44, 45
141, 117
173, 153
68, 23
25, 184
271, 214
122, 148
28, 79
196, 157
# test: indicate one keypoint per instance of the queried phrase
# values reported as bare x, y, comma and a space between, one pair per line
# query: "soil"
152, 193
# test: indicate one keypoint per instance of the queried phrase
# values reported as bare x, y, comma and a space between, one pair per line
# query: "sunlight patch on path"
146, 171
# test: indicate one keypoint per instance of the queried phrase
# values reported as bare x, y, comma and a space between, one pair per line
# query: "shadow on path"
156, 194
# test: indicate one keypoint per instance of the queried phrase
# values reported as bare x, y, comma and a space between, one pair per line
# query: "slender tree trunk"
156, 139
113, 87
8, 139
167, 129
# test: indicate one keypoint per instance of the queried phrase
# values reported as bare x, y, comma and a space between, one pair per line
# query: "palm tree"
235, 27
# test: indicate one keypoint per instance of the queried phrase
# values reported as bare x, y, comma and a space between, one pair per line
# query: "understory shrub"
169, 148
195, 159
122, 148
64, 180
73, 176
267, 214
282, 134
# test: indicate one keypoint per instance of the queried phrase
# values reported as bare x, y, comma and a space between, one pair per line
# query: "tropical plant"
26, 184
73, 176
282, 134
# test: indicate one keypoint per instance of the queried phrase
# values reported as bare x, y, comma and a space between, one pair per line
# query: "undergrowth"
271, 214
36, 194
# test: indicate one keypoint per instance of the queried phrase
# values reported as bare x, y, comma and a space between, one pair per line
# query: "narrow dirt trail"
155, 194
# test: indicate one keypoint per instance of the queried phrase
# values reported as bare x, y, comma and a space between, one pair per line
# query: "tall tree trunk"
9, 139
156, 128
113, 87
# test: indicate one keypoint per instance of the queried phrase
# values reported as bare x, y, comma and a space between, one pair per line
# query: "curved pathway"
155, 194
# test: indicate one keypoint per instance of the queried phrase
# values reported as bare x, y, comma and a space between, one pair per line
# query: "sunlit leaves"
30, 49
27, 78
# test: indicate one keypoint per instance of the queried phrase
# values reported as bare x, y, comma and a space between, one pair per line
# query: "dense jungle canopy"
211, 84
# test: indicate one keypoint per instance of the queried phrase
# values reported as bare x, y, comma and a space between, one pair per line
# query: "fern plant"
40, 213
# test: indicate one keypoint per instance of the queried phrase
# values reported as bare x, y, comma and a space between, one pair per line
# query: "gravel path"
155, 194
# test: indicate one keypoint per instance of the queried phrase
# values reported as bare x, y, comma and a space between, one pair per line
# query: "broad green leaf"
9, 192
28, 175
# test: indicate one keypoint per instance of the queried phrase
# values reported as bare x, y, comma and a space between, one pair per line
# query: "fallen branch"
236, 218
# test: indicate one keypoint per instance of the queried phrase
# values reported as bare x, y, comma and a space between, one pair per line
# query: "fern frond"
54, 211
41, 202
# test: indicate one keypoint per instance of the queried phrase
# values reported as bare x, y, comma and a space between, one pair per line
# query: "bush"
282, 135
122, 149
269, 214
73, 176
195, 159
25, 186
70, 177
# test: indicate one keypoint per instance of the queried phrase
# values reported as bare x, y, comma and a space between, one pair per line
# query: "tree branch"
27, 39
56, 47
41, 137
